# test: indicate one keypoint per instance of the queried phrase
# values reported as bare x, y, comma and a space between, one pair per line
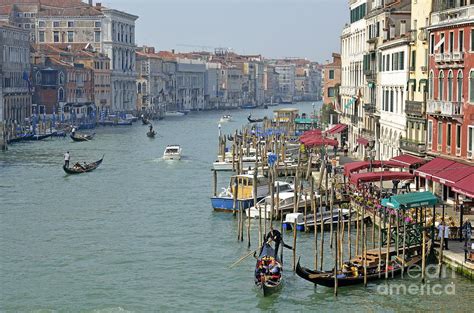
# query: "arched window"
61, 94
144, 88
440, 85
431, 86
471, 87
450, 86
38, 78
459, 87
61, 78
139, 88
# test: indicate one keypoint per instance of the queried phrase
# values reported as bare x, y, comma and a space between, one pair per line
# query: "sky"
273, 28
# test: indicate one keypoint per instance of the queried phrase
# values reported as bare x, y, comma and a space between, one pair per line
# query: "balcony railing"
354, 120
452, 16
438, 57
447, 108
369, 108
458, 56
369, 73
412, 146
447, 57
414, 108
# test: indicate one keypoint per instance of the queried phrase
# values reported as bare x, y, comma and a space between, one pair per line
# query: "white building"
353, 46
392, 94
118, 42
286, 82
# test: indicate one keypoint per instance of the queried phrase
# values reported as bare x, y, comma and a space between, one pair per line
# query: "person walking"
443, 234
67, 157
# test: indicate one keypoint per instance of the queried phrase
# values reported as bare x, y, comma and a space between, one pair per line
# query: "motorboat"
328, 218
285, 205
172, 152
225, 118
174, 113
248, 162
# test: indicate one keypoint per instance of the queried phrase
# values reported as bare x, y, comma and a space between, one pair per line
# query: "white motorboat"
172, 152
225, 118
248, 162
328, 218
286, 204
174, 113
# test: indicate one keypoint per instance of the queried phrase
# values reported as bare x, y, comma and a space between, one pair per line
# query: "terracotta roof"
54, 3
79, 10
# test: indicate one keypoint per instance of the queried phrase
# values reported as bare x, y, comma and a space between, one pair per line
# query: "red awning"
362, 141
433, 167
453, 173
311, 142
465, 186
336, 129
357, 179
350, 168
408, 160
313, 132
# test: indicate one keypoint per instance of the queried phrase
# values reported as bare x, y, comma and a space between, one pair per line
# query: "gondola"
79, 169
268, 283
145, 121
151, 134
256, 120
352, 276
39, 137
82, 137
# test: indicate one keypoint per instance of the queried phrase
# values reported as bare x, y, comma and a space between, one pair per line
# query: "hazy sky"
273, 28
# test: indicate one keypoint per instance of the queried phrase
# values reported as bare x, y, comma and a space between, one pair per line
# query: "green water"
139, 234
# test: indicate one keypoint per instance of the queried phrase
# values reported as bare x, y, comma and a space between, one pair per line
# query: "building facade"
450, 104
15, 69
332, 81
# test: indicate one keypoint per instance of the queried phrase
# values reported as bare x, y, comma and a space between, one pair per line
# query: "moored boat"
82, 168
81, 137
328, 218
268, 271
151, 134
174, 113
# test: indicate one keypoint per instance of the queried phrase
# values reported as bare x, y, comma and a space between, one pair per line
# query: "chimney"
90, 3
172, 51
392, 31
403, 27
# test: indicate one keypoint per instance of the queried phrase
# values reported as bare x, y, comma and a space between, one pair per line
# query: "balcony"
354, 120
414, 108
412, 146
369, 108
446, 108
458, 57
369, 74
438, 57
447, 57
452, 16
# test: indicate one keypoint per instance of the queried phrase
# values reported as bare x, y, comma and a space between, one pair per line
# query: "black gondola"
267, 262
38, 137
151, 134
352, 276
79, 169
82, 137
256, 120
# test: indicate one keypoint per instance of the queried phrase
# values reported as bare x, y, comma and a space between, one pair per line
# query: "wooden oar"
243, 258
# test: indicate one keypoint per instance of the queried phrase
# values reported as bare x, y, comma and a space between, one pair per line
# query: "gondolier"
275, 235
67, 157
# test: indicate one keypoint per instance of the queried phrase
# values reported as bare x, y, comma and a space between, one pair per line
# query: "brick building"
332, 80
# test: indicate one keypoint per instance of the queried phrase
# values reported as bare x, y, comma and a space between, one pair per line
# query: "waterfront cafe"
450, 180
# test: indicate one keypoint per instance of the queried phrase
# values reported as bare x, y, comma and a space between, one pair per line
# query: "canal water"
139, 234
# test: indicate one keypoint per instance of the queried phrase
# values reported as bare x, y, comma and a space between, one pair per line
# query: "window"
451, 42
61, 78
27, 26
413, 61
470, 138
448, 135
56, 36
401, 62
431, 86
441, 41
391, 101
70, 36
97, 24
450, 86
472, 39
471, 87
41, 24
458, 136
387, 64
55, 24
38, 78
97, 36
70, 24
331, 92
440, 134
432, 43
331, 74
61, 94
430, 132
41, 36
440, 86
459, 93
461, 41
